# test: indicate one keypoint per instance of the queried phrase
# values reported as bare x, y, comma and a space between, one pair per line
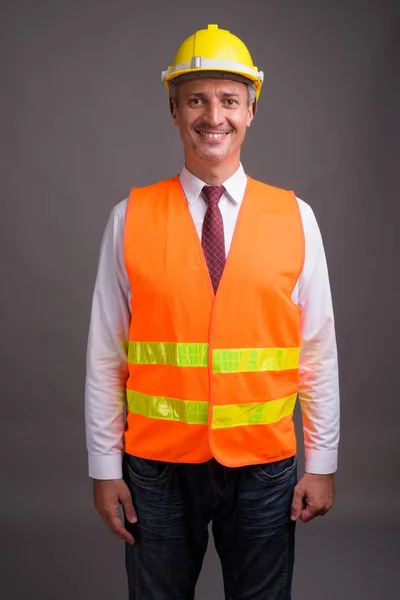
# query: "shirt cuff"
105, 466
320, 462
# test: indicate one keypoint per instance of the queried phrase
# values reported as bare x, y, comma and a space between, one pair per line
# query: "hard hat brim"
212, 75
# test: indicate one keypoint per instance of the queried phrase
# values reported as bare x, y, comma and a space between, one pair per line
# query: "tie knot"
213, 193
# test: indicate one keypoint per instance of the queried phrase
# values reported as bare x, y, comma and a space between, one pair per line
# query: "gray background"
84, 118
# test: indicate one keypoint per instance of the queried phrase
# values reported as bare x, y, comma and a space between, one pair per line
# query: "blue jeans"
249, 508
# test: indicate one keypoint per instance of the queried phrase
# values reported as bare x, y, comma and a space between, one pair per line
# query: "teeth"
211, 135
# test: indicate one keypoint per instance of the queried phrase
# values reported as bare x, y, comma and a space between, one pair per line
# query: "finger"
297, 504
324, 510
115, 526
307, 514
130, 513
311, 512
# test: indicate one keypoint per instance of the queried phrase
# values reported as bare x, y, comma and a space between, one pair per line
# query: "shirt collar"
235, 186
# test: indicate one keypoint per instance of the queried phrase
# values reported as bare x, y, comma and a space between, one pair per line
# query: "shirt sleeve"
319, 378
106, 365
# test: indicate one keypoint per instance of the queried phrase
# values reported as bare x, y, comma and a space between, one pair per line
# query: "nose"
213, 113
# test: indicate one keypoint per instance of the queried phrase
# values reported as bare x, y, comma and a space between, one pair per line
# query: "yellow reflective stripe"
241, 360
168, 409
233, 360
196, 413
168, 353
258, 413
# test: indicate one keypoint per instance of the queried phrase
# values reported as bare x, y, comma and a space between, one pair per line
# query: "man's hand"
313, 496
108, 495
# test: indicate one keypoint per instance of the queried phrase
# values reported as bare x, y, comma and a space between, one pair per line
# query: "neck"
212, 173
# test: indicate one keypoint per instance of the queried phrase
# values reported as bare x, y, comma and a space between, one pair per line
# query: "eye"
230, 102
194, 101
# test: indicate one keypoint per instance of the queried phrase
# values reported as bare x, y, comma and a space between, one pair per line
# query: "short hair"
174, 92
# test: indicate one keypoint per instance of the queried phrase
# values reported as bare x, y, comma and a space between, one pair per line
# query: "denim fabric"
249, 508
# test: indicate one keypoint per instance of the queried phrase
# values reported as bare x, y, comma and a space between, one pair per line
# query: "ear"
174, 111
251, 111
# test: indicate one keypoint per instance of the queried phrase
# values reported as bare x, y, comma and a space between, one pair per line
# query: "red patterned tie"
212, 237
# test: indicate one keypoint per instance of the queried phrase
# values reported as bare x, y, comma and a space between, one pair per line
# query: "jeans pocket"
275, 472
145, 471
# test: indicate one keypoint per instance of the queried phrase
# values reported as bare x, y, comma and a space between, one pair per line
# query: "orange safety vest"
212, 375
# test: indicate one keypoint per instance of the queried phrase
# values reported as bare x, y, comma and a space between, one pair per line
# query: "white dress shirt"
107, 369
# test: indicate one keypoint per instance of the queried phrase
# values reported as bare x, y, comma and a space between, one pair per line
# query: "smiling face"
212, 116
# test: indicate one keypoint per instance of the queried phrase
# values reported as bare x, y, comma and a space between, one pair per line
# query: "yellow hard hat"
216, 50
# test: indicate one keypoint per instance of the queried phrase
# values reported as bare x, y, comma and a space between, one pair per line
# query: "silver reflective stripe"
214, 64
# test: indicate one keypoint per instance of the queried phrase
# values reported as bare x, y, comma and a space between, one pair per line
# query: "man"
212, 311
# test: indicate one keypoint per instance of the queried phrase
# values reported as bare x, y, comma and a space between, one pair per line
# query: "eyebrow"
203, 95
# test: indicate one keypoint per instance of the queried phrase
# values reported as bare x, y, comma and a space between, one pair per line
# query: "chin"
212, 156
